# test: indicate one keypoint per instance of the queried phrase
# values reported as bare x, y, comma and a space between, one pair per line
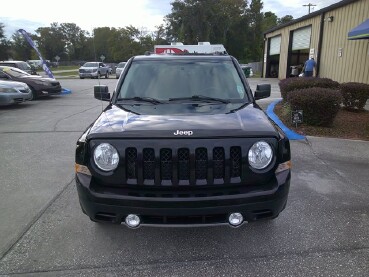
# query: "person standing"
309, 67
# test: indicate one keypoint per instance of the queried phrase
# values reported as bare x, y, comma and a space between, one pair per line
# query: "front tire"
107, 75
34, 94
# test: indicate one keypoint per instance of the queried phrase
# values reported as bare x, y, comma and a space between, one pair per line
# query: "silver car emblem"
183, 133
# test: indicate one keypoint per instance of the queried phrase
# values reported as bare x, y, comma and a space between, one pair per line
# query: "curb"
289, 133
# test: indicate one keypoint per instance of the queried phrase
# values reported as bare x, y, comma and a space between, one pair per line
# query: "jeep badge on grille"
183, 133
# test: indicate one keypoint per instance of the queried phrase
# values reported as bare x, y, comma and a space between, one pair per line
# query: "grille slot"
183, 166
201, 165
166, 164
131, 161
218, 161
236, 158
148, 164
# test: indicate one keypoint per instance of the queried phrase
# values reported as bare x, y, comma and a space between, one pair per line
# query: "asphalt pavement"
324, 230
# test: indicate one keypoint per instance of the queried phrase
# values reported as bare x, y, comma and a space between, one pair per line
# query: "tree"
123, 44
129, 41
50, 41
20, 49
159, 36
75, 41
285, 19
192, 21
4, 44
270, 20
101, 37
256, 17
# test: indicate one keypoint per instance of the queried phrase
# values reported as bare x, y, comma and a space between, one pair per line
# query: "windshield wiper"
201, 98
141, 99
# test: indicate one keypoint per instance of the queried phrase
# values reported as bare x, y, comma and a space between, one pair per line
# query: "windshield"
121, 65
171, 79
15, 72
91, 65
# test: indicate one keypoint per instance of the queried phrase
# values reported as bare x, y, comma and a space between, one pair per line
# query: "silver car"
93, 70
14, 93
119, 69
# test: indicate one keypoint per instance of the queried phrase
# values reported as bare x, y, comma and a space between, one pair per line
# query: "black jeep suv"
182, 142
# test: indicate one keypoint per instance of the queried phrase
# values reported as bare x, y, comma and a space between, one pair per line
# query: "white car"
14, 93
119, 69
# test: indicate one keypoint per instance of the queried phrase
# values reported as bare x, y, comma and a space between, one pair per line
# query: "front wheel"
107, 75
34, 94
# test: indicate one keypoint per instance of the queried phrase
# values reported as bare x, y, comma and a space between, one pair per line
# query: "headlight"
260, 155
106, 157
8, 90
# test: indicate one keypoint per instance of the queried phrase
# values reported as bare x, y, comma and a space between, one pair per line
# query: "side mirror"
262, 91
101, 92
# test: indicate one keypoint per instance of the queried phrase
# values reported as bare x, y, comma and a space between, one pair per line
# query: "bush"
354, 95
291, 84
320, 105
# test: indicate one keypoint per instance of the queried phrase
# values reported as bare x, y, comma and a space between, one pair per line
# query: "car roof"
12, 83
183, 57
13, 62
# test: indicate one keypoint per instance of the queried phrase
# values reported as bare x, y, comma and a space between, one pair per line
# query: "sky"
142, 14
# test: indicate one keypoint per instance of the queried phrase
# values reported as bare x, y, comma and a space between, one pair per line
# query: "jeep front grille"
183, 166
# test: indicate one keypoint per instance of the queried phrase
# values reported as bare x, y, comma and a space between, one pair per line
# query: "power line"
309, 5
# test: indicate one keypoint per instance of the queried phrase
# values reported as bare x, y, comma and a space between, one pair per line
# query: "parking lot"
324, 230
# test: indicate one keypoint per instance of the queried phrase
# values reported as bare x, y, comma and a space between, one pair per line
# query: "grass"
55, 70
69, 73
68, 67
347, 124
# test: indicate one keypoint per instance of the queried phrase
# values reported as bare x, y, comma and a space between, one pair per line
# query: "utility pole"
309, 5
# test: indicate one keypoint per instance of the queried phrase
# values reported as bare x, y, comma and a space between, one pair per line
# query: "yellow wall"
353, 65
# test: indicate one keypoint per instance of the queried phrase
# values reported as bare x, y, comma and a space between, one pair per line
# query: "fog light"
235, 219
132, 220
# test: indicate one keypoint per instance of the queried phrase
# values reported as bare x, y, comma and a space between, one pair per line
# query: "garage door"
275, 45
301, 38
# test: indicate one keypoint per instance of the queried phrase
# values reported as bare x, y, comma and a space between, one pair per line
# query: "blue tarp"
66, 91
360, 32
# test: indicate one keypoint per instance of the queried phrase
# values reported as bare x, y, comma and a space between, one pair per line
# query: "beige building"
323, 34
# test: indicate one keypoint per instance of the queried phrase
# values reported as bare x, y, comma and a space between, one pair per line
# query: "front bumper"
88, 74
257, 204
48, 90
14, 98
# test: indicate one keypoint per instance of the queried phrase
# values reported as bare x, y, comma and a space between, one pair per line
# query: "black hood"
250, 121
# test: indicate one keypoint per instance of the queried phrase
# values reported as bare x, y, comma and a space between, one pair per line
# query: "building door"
299, 50
272, 69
